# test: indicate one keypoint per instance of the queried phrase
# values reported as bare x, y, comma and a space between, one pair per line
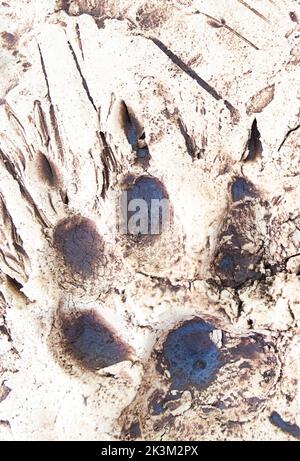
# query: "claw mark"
4, 392
253, 10
191, 73
254, 145
109, 162
216, 23
287, 135
42, 125
79, 39
176, 60
48, 170
44, 72
239, 35
14, 120
52, 110
191, 146
260, 100
130, 125
10, 167
135, 133
84, 83
15, 239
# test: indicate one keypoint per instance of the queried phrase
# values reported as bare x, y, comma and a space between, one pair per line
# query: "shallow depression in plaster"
191, 356
148, 207
78, 241
91, 342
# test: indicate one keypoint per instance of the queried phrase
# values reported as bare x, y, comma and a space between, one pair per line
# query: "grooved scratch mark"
79, 39
253, 10
254, 146
14, 120
10, 167
185, 68
191, 73
42, 125
216, 23
44, 72
51, 110
84, 83
240, 36
109, 163
16, 240
287, 135
189, 141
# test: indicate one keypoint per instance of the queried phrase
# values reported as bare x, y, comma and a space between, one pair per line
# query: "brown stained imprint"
287, 427
250, 8
135, 135
235, 267
64, 5
150, 18
249, 348
134, 431
4, 392
78, 241
241, 189
260, 100
191, 357
146, 210
48, 171
254, 148
236, 376
26, 65
9, 40
240, 248
90, 342
294, 16
95, 8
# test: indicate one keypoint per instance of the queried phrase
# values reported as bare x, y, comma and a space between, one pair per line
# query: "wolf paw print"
148, 239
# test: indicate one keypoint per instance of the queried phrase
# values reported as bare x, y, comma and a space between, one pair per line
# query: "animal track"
183, 332
200, 369
84, 339
78, 241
